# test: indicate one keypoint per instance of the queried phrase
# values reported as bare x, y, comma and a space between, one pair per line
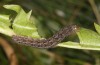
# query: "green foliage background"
51, 15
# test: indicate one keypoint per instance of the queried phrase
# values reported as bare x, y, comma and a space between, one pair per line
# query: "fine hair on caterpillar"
46, 43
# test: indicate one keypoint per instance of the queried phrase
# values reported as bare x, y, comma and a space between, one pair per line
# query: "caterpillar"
46, 43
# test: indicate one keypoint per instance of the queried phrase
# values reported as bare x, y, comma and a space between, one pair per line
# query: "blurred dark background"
52, 15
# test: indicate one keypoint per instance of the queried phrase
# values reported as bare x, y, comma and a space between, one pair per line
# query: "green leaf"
97, 27
88, 37
13, 7
5, 25
5, 19
22, 24
75, 45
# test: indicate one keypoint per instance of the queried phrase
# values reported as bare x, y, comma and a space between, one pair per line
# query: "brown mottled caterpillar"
46, 43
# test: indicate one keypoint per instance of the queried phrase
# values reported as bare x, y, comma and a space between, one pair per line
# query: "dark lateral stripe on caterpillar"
46, 43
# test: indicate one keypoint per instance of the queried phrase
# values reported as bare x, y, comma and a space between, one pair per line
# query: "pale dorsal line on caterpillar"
46, 43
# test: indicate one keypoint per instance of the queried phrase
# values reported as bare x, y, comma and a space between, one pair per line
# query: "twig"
54, 57
76, 11
95, 9
9, 51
